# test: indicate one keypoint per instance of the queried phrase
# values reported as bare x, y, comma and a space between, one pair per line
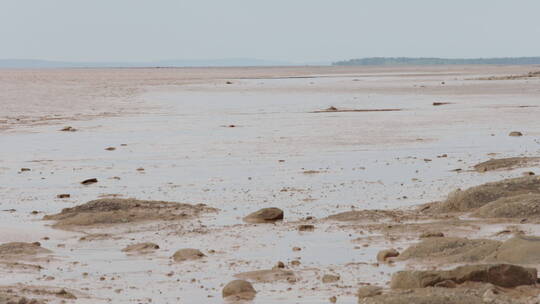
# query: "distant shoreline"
398, 61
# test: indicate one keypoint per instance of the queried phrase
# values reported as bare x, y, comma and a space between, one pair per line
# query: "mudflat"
309, 184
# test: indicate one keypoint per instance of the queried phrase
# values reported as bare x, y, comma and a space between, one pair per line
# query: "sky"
283, 30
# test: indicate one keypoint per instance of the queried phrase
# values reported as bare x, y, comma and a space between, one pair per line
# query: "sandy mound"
451, 250
476, 197
118, 211
267, 276
366, 216
504, 275
506, 163
519, 250
519, 206
18, 250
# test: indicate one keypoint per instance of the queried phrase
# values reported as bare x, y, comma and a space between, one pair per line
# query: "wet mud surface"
298, 205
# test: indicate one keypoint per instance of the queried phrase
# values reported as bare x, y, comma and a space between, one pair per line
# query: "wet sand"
239, 140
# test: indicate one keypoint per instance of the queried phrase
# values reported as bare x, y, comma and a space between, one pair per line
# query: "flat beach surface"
312, 141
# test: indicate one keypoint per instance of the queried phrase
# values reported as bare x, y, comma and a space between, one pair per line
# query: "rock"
89, 181
515, 134
333, 299
141, 248
384, 255
25, 169
62, 196
504, 275
476, 197
368, 291
306, 228
266, 215
239, 289
267, 276
330, 278
426, 235
110, 149
528, 173
187, 254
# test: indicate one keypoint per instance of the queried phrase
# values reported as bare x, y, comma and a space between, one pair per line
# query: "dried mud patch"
120, 211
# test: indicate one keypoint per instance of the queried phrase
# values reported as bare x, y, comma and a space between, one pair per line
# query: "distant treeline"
438, 61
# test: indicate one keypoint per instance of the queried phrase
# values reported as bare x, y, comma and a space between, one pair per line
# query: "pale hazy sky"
290, 30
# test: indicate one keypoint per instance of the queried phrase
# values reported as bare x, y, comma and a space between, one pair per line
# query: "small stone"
63, 196
297, 249
68, 129
266, 215
515, 134
239, 289
330, 278
89, 181
528, 173
333, 299
383, 255
110, 148
279, 265
25, 169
